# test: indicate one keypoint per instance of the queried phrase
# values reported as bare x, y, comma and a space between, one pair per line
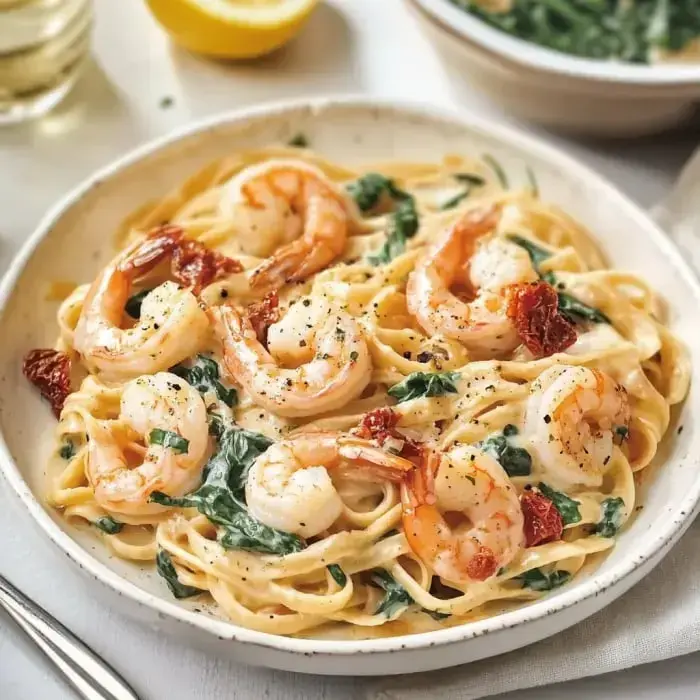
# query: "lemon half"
232, 28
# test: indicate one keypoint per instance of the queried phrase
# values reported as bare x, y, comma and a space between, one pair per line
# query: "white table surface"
349, 46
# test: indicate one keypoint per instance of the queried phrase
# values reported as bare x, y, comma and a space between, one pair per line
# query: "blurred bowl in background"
583, 96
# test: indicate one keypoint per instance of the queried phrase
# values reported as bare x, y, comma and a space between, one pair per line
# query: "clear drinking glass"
43, 44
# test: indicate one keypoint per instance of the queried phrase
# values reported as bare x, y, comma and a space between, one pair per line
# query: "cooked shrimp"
571, 415
464, 256
172, 327
336, 364
164, 402
470, 482
289, 486
299, 208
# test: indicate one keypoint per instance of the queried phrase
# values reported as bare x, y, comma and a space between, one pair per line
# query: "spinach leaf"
469, 179
67, 450
576, 311
403, 226
204, 376
537, 254
299, 141
452, 202
167, 438
164, 565
133, 303
612, 510
428, 384
538, 580
221, 497
338, 574
597, 29
108, 524
497, 169
516, 461
367, 191
396, 597
567, 507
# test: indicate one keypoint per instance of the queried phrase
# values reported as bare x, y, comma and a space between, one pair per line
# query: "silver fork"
90, 676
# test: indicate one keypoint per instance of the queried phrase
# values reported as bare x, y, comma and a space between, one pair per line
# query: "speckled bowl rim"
523, 53
656, 544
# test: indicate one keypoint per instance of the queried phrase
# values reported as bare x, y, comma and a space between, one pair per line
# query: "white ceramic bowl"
72, 242
598, 98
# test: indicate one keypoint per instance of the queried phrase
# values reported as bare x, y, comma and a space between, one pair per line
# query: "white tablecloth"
349, 46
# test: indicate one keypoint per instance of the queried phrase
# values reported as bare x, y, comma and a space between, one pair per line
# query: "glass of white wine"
43, 45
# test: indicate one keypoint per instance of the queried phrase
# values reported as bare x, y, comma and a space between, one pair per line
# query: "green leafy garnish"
597, 29
396, 597
534, 187
133, 303
538, 580
67, 450
204, 376
167, 438
221, 497
612, 511
567, 507
576, 311
516, 461
164, 565
403, 226
367, 191
497, 169
427, 384
469, 179
299, 141
537, 254
338, 574
108, 524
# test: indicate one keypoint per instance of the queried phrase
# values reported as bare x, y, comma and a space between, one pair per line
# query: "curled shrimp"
571, 416
122, 472
333, 366
483, 266
467, 481
289, 486
297, 206
171, 328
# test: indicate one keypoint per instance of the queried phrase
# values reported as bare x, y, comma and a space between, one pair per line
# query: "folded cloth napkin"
657, 619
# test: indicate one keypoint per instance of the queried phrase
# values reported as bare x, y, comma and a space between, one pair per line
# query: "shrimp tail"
147, 253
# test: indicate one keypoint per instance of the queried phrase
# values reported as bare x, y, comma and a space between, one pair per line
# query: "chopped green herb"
469, 179
597, 29
510, 430
367, 191
567, 507
428, 384
497, 169
621, 433
204, 375
452, 202
167, 438
612, 511
216, 423
396, 598
403, 226
133, 303
354, 355
108, 524
338, 574
67, 450
166, 569
298, 141
516, 461
221, 497
538, 580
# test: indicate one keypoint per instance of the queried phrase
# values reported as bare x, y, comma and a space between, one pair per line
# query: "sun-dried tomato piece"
380, 425
482, 565
194, 265
262, 314
534, 310
49, 371
543, 522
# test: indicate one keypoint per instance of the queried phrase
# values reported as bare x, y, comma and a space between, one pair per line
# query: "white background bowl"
74, 240
598, 98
